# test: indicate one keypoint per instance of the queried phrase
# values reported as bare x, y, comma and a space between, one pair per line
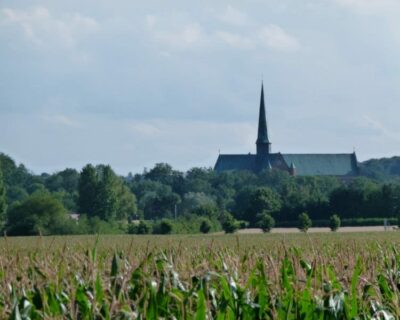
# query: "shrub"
266, 222
334, 222
229, 223
205, 226
304, 222
163, 227
243, 224
141, 228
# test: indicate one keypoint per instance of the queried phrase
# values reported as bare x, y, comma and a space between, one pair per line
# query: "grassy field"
246, 276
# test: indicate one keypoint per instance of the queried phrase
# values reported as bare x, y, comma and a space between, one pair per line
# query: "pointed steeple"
263, 144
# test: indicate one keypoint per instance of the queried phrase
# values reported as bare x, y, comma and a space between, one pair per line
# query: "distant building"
340, 164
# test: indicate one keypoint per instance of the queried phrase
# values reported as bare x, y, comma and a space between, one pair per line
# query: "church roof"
227, 162
344, 164
341, 164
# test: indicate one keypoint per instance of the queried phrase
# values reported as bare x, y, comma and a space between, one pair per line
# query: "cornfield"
299, 276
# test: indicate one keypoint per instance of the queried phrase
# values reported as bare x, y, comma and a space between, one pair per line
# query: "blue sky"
133, 83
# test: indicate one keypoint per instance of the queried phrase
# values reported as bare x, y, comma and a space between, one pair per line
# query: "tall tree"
3, 203
87, 189
106, 194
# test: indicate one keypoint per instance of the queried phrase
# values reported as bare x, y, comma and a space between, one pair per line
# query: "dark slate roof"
226, 162
323, 164
304, 164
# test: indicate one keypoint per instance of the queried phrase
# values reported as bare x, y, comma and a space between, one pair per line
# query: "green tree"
165, 226
141, 228
205, 226
87, 189
3, 201
266, 222
126, 202
334, 222
304, 222
263, 199
229, 223
106, 200
16, 193
40, 213
194, 201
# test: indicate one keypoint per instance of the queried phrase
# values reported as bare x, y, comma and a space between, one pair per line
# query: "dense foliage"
334, 222
305, 222
328, 276
105, 201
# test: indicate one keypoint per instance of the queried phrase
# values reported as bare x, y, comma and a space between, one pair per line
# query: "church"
340, 165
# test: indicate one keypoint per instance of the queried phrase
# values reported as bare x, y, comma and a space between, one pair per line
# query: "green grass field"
247, 276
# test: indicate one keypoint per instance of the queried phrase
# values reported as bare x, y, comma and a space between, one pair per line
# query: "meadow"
244, 276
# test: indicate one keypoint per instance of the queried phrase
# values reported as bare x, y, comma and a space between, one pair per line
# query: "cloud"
235, 40
183, 35
369, 6
60, 119
175, 35
47, 31
273, 36
379, 128
233, 16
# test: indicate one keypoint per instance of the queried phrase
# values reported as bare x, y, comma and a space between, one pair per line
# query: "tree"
126, 202
141, 228
304, 222
205, 226
194, 201
40, 213
229, 223
266, 222
159, 203
3, 201
334, 222
106, 200
165, 226
87, 188
263, 199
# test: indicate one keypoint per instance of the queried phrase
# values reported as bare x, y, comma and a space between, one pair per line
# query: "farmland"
246, 276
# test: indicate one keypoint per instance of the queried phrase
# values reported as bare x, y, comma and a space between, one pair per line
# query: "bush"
304, 222
205, 226
163, 227
334, 222
266, 222
228, 222
243, 224
141, 228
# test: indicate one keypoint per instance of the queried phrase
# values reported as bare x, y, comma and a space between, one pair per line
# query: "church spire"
263, 144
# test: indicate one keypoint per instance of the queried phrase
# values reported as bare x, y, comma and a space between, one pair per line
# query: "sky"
134, 83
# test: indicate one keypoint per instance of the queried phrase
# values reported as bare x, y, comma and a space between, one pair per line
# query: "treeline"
167, 200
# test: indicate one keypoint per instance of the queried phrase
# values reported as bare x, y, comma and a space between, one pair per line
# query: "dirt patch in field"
316, 230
